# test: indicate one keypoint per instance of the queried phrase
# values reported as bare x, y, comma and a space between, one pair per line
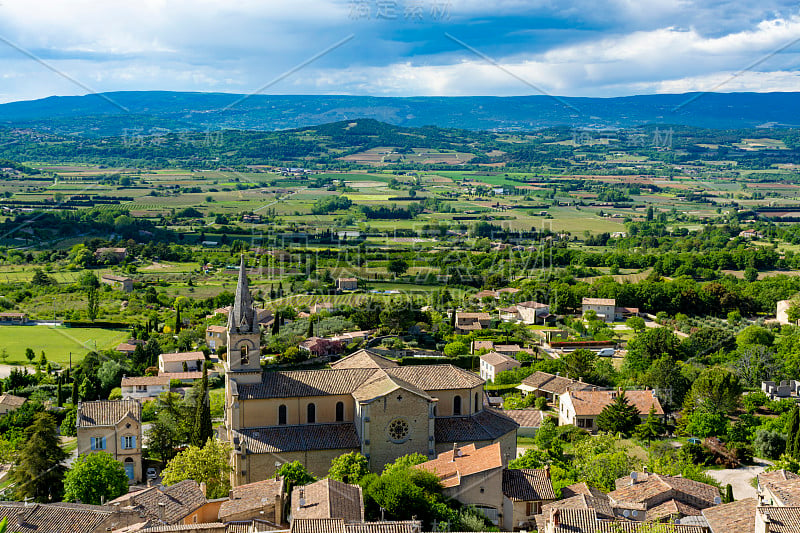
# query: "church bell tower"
244, 334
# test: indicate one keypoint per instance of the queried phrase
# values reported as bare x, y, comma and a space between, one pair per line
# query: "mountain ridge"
115, 113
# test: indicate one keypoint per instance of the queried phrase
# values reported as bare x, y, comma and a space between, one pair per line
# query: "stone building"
114, 427
366, 403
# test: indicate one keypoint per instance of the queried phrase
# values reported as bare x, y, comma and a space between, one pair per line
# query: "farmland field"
57, 342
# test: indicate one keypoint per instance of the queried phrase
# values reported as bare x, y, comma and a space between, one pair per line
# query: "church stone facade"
364, 403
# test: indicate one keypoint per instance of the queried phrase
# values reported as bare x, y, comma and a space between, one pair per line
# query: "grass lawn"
57, 342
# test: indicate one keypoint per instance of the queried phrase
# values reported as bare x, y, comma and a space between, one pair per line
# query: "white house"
174, 362
145, 387
604, 307
493, 363
532, 312
581, 407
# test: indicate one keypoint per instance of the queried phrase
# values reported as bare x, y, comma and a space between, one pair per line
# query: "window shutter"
92, 443
122, 442
103, 443
133, 440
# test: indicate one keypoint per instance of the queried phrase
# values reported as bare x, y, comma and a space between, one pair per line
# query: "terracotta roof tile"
180, 499
300, 438
145, 381
654, 487
363, 359
781, 519
553, 384
250, 497
494, 359
320, 525
787, 492
251, 526
107, 413
11, 401
736, 517
486, 424
406, 526
328, 498
182, 356
51, 518
598, 301
527, 485
592, 402
453, 465
526, 418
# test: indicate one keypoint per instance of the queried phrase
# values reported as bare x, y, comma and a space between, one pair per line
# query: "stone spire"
243, 315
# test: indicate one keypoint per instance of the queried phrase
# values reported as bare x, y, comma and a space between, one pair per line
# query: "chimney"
21, 518
547, 471
204, 488
161, 506
455, 451
555, 517
230, 495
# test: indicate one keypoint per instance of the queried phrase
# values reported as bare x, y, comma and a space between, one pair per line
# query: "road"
739, 478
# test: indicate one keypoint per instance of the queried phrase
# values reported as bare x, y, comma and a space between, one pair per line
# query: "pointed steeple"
243, 315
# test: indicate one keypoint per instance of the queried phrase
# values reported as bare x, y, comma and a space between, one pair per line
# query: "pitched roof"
145, 381
318, 525
781, 519
197, 374
453, 465
400, 526
180, 500
208, 526
339, 381
494, 359
671, 508
328, 498
735, 517
766, 478
383, 384
363, 359
217, 329
587, 521
526, 418
251, 497
553, 384
271, 439
787, 492
106, 412
486, 424
526, 485
649, 486
53, 518
182, 356
251, 526
592, 402
582, 496
598, 301
11, 401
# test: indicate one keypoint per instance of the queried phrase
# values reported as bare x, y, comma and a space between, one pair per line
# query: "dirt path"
5, 370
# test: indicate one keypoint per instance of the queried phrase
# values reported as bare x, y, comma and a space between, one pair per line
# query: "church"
364, 403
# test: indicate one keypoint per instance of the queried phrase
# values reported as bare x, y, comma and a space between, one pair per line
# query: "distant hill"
115, 113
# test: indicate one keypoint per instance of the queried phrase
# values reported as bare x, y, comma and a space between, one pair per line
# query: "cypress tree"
177, 318
59, 398
310, 332
276, 324
202, 430
728, 494
792, 431
74, 392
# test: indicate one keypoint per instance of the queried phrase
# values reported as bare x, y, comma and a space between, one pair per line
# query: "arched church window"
282, 415
311, 413
245, 357
457, 405
339, 411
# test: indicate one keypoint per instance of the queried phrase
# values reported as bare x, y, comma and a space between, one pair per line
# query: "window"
398, 430
245, 358
282, 415
476, 402
339, 411
588, 422
311, 414
128, 443
532, 508
581, 423
98, 443
457, 405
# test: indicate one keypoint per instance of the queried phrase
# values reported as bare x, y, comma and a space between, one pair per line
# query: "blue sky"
398, 47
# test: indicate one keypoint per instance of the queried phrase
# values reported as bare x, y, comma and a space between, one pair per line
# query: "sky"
398, 47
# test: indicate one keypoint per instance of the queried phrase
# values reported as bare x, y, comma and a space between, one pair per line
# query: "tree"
38, 472
580, 364
310, 330
703, 423
755, 364
769, 444
209, 465
68, 424
295, 474
792, 430
755, 335
349, 467
202, 430
665, 377
92, 303
163, 437
398, 267
401, 493
178, 322
29, 354
729, 489
651, 428
636, 323
40, 278
717, 389
74, 392
750, 274
649, 345
455, 348
95, 478
619, 416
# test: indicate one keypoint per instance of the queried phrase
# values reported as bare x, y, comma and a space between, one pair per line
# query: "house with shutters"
114, 427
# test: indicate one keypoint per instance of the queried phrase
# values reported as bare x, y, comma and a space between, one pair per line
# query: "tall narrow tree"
74, 392
792, 431
177, 318
202, 430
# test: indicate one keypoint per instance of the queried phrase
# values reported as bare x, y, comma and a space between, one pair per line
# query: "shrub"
541, 403
769, 444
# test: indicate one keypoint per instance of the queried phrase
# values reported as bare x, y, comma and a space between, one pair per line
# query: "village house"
327, 498
114, 427
320, 347
567, 520
365, 403
169, 363
260, 500
320, 307
24, 517
466, 322
122, 283
532, 312
524, 493
183, 503
512, 350
111, 254
607, 310
346, 284
129, 347
493, 363
582, 407
216, 336
9, 402
338, 525
779, 488
665, 498
143, 387
474, 477
550, 386
529, 420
